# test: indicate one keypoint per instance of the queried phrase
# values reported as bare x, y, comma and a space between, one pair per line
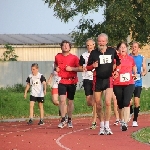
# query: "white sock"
106, 124
102, 124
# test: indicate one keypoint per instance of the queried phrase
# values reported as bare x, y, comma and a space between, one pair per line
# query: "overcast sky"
34, 17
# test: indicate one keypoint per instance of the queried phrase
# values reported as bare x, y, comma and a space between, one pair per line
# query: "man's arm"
144, 72
26, 90
44, 86
76, 68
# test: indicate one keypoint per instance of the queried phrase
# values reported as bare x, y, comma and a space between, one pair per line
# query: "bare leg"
31, 109
41, 110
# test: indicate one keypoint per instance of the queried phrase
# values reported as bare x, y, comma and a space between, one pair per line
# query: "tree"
9, 54
121, 18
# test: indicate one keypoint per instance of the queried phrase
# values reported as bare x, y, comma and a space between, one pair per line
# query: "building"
37, 47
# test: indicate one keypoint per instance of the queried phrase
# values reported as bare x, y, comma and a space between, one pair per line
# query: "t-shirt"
67, 77
125, 72
36, 84
83, 62
105, 62
139, 63
56, 78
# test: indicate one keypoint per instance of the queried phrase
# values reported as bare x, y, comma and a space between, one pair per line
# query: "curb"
51, 117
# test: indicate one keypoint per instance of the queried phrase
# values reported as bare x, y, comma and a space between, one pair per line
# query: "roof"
34, 39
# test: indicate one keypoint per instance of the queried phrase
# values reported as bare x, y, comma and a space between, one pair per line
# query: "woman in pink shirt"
124, 84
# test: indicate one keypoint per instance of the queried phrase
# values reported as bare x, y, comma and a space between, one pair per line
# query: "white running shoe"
62, 124
134, 124
102, 131
70, 124
108, 131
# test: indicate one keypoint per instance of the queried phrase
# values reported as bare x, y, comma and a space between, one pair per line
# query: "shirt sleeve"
42, 79
89, 66
81, 61
133, 62
28, 80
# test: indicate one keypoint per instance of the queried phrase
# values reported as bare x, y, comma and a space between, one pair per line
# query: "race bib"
104, 59
124, 77
138, 77
56, 80
90, 73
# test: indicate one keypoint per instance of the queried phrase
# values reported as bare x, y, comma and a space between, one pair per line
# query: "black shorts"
88, 85
101, 84
137, 91
70, 89
37, 99
123, 94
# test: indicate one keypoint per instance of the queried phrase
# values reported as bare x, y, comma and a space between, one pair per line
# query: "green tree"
121, 18
9, 54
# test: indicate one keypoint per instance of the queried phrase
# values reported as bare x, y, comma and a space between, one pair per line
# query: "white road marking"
62, 136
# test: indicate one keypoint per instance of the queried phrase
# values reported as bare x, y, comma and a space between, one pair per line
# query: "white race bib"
124, 77
56, 80
138, 77
104, 59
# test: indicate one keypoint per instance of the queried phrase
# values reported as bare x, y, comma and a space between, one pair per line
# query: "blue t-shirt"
139, 63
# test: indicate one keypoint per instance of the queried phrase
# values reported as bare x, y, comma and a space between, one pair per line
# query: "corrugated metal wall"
40, 53
12, 73
16, 72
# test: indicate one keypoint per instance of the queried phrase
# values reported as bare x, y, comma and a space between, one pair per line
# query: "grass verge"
143, 135
13, 105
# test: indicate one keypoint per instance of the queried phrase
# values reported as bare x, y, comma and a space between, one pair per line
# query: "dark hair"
65, 41
118, 46
35, 65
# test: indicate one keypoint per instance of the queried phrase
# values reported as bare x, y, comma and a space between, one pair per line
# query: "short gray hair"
104, 35
90, 39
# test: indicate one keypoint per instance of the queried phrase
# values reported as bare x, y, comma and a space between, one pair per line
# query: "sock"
106, 124
102, 124
63, 119
69, 119
131, 109
136, 112
31, 119
59, 113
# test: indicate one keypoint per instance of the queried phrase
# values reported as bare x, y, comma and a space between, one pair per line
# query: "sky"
34, 17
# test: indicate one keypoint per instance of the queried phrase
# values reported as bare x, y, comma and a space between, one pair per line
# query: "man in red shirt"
66, 64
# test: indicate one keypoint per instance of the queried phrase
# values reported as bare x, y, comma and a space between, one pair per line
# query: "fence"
12, 73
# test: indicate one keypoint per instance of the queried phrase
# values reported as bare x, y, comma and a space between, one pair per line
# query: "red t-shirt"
67, 77
125, 72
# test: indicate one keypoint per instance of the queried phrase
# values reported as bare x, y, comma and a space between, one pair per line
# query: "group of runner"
107, 72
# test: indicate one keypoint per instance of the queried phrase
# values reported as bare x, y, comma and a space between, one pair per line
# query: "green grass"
13, 104
142, 135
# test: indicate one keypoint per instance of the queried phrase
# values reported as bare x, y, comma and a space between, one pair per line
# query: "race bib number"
90, 73
57, 79
104, 59
124, 77
138, 77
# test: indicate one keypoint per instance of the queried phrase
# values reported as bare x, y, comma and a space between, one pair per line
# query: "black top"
105, 62
81, 61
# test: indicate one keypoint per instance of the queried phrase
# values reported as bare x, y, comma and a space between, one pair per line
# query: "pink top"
125, 72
